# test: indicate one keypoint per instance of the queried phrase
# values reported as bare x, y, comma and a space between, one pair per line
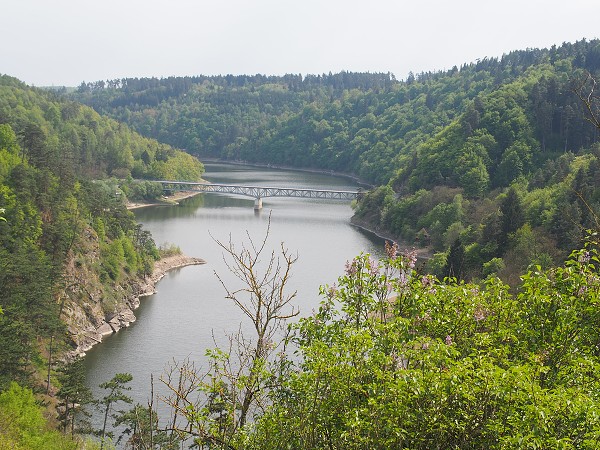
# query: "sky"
65, 42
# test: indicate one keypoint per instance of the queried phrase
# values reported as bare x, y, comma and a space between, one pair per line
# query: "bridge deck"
259, 191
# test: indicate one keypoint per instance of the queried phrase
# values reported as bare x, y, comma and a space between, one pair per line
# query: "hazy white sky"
65, 42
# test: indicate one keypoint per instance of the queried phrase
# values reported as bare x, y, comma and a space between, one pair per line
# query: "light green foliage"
120, 258
113, 258
169, 249
130, 256
181, 166
22, 425
475, 178
9, 150
99, 228
393, 359
141, 190
26, 224
493, 266
376, 202
66, 137
55, 220
515, 162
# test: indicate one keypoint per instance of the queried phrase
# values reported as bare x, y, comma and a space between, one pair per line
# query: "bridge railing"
259, 192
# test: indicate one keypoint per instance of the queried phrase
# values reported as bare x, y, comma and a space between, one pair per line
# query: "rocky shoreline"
171, 200
87, 324
164, 265
423, 253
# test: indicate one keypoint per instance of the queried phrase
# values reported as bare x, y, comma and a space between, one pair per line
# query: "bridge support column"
258, 203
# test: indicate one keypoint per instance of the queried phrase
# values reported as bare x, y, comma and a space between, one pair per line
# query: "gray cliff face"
90, 312
88, 321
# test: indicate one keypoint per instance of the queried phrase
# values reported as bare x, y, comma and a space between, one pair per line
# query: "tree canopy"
450, 144
65, 234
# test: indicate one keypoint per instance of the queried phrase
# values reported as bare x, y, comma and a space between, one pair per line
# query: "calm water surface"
180, 320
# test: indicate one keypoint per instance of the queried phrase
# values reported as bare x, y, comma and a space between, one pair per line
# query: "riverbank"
88, 323
170, 200
423, 253
190, 311
163, 266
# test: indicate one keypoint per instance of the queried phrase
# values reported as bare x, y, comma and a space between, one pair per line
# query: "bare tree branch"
585, 89
214, 405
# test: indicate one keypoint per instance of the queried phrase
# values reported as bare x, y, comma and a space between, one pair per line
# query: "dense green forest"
492, 166
65, 236
451, 150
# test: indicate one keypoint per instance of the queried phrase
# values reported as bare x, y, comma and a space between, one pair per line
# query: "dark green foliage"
29, 310
116, 388
475, 130
511, 218
455, 261
74, 395
55, 219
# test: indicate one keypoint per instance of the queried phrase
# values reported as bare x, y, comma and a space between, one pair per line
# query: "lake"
189, 312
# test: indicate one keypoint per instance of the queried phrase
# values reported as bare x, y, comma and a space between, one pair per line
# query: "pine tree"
511, 218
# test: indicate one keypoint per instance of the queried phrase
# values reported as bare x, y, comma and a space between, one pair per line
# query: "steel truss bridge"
258, 192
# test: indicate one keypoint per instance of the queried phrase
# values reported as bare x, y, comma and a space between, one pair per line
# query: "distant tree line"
446, 147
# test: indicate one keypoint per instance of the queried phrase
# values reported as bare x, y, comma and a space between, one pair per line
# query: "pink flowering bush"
398, 359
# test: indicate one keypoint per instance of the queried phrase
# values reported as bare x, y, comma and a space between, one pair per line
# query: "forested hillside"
206, 115
444, 146
67, 241
491, 165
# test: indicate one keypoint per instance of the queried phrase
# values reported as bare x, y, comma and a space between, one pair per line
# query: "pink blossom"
391, 250
402, 278
584, 257
350, 268
448, 340
479, 314
412, 258
374, 267
332, 291
427, 281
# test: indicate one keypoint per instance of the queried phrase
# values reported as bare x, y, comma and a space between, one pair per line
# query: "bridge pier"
257, 203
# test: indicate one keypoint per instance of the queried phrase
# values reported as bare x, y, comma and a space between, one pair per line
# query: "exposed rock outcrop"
88, 322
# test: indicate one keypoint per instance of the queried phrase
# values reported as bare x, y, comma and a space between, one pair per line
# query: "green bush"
22, 425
